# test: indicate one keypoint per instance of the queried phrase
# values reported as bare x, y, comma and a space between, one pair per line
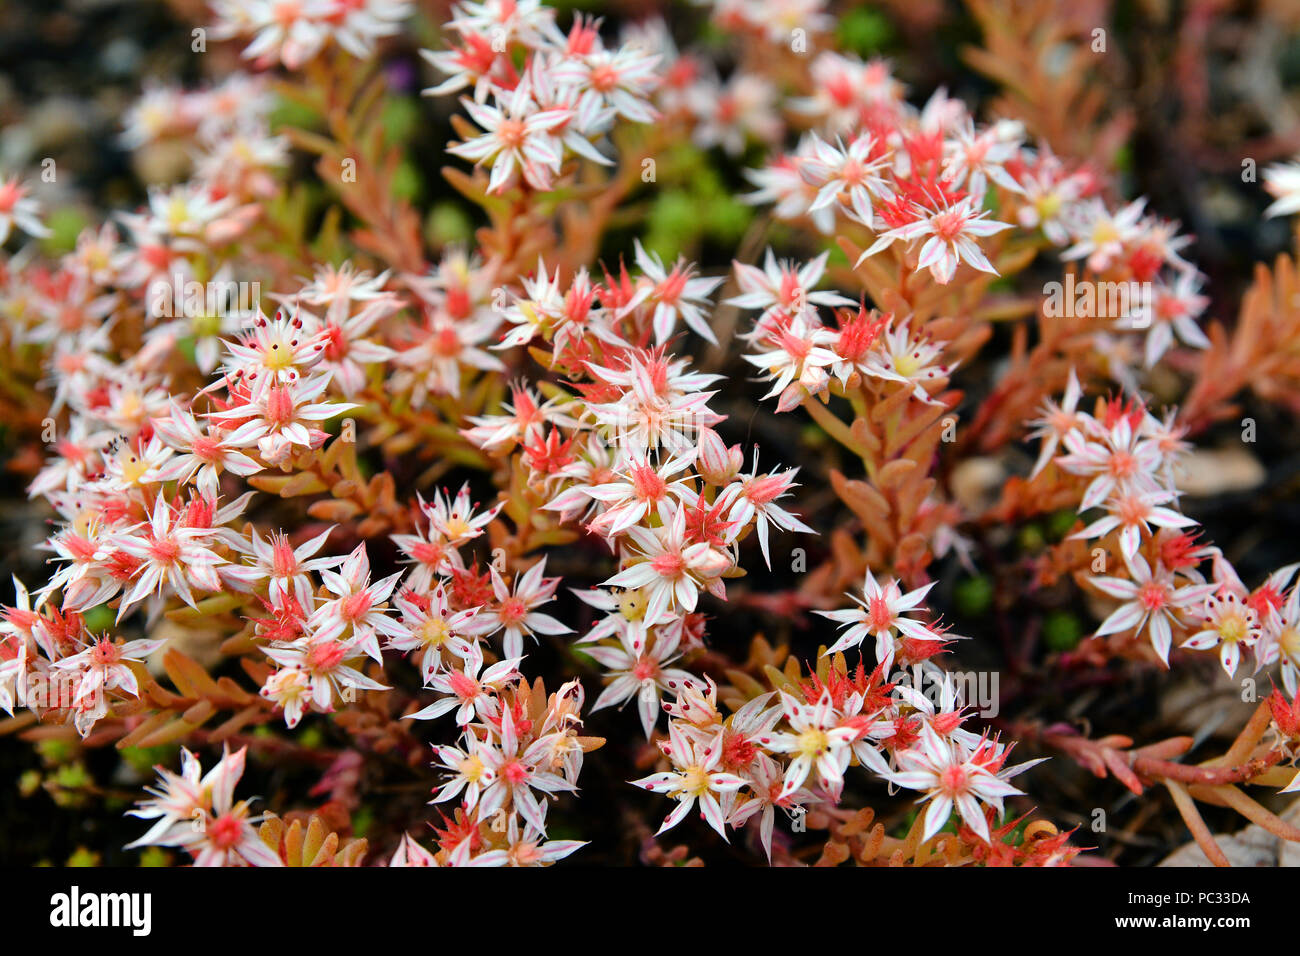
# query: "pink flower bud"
716, 463
712, 563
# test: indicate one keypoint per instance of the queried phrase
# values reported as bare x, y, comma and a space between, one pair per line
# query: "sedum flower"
640, 670
949, 233
19, 209
954, 778
1228, 623
517, 140
167, 554
1152, 602
754, 497
819, 740
471, 690
215, 829
527, 848
674, 293
780, 287
1282, 182
515, 772
358, 608
514, 611
880, 614
694, 779
671, 569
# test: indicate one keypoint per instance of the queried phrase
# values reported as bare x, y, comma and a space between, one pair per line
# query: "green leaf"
974, 596
99, 618
65, 225
407, 182
1062, 631
399, 118
864, 31
289, 113
448, 224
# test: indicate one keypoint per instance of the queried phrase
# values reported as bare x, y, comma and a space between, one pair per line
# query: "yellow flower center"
1289, 640
278, 354
1232, 628
632, 604
1104, 232
434, 632
696, 781
906, 365
457, 526
129, 406
178, 213
133, 469
813, 742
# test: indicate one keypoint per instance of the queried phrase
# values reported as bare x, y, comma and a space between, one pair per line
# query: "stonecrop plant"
502, 436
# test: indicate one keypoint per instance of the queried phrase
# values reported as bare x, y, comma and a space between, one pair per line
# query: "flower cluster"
197, 812
790, 750
1129, 460
295, 33
339, 483
540, 95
